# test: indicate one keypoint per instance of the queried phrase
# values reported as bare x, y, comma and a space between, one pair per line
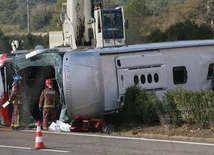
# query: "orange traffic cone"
39, 144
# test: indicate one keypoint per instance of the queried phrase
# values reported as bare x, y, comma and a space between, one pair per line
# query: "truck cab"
110, 27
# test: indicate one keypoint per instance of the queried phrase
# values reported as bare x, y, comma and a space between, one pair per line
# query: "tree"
135, 11
40, 17
21, 14
205, 32
55, 23
157, 36
182, 31
4, 43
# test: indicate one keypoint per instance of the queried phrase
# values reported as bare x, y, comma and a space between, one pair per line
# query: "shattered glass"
19, 64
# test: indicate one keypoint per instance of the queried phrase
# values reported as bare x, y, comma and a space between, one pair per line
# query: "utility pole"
28, 17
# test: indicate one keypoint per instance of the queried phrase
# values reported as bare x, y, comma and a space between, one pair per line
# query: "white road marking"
15, 147
28, 148
129, 138
52, 150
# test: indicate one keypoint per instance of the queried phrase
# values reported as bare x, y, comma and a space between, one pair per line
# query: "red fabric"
4, 111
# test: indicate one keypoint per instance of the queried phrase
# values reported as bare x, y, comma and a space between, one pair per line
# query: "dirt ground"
171, 132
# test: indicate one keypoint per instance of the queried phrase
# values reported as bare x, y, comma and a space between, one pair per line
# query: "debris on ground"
84, 124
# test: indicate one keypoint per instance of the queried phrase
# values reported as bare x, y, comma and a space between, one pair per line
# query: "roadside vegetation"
29, 41
180, 31
178, 113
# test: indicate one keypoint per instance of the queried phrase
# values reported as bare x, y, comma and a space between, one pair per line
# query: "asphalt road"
23, 142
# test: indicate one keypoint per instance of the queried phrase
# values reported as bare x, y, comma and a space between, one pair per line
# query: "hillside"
145, 16
15, 15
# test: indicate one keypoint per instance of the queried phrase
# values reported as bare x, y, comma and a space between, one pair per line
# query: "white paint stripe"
160, 140
28, 148
51, 150
130, 138
15, 147
39, 139
179, 142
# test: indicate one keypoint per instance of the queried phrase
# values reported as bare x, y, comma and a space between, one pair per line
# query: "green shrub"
30, 41
171, 111
177, 106
191, 107
140, 106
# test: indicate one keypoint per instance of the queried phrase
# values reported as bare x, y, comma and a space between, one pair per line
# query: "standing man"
16, 98
49, 102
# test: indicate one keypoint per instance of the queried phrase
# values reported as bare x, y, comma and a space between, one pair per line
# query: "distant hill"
155, 14
14, 14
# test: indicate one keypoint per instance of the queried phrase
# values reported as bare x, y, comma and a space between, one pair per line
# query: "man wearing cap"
16, 98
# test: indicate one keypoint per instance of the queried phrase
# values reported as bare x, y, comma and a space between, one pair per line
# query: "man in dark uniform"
49, 102
16, 98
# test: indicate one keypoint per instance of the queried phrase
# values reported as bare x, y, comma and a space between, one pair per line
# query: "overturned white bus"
92, 82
